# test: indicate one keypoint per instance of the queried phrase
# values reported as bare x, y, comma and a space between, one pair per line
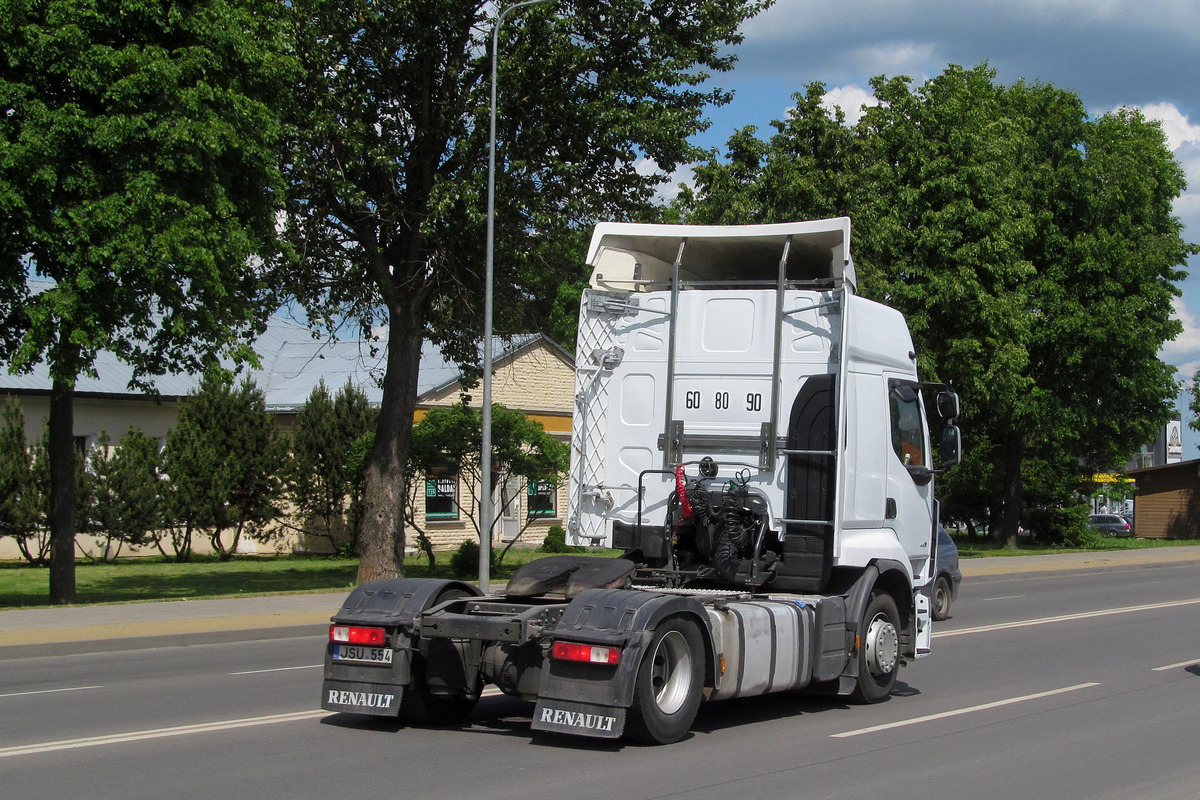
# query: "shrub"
465, 561
556, 542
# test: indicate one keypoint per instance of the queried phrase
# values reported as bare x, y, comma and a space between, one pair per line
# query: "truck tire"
668, 686
878, 650
941, 599
421, 706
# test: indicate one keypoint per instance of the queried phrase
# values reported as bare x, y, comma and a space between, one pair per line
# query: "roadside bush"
125, 500
24, 475
556, 542
325, 465
225, 462
1060, 525
465, 561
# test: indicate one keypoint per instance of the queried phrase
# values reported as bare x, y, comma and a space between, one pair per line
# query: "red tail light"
352, 634
585, 653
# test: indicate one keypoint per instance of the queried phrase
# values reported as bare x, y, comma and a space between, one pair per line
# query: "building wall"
1168, 503
111, 415
539, 380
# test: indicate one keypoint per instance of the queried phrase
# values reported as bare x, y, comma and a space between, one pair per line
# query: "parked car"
946, 576
1110, 525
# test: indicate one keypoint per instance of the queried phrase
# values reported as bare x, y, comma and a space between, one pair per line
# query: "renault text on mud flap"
577, 719
342, 697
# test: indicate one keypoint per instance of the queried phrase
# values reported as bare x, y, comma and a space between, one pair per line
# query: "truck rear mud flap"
579, 719
370, 689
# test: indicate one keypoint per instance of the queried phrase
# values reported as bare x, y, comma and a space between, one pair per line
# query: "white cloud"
1176, 125
850, 99
1184, 351
668, 189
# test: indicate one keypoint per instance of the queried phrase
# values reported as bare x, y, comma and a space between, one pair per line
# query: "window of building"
543, 499
441, 497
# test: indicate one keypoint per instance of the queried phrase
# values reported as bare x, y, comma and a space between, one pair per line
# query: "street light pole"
485, 481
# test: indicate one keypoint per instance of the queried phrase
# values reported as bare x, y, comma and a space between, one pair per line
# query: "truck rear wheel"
421, 706
669, 682
418, 704
878, 650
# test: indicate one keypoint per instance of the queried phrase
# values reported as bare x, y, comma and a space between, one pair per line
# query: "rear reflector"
352, 634
585, 653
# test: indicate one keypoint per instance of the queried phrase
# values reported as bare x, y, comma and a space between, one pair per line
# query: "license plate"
366, 655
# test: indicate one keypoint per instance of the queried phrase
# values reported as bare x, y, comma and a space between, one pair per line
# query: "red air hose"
685, 507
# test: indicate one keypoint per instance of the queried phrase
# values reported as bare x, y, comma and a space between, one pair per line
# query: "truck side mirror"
947, 405
951, 451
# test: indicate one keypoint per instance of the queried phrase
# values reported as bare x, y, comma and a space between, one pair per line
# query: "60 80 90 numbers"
722, 400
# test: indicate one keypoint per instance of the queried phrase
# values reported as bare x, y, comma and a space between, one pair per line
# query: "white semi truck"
753, 435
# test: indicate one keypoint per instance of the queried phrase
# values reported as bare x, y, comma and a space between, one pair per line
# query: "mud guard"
393, 604
592, 699
859, 594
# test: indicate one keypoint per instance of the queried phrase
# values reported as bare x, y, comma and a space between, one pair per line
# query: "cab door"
910, 473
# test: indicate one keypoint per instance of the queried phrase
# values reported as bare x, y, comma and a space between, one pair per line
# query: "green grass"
146, 579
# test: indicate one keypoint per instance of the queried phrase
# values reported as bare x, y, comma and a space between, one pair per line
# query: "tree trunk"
61, 452
381, 542
1014, 451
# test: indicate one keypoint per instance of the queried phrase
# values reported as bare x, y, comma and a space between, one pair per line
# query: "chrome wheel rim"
883, 646
671, 672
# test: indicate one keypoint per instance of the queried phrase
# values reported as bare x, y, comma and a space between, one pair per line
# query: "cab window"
908, 435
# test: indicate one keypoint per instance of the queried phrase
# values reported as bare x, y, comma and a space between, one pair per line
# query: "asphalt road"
1061, 684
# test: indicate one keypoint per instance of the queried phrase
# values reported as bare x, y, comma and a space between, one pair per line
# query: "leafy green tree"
320, 477
22, 502
1033, 250
224, 463
139, 175
809, 166
448, 441
388, 182
125, 483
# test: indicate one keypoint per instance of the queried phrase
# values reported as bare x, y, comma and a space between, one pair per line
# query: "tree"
448, 442
388, 180
1033, 251
224, 461
125, 483
21, 499
320, 477
139, 174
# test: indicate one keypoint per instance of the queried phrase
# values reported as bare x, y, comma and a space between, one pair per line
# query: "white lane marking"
157, 733
961, 711
1177, 666
51, 691
277, 669
1005, 597
1003, 626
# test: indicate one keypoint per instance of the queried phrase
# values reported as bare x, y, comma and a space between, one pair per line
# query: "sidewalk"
128, 626
1007, 565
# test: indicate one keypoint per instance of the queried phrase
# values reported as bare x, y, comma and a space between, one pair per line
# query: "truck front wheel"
669, 682
878, 650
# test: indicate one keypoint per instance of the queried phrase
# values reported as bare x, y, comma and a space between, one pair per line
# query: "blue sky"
1112, 53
